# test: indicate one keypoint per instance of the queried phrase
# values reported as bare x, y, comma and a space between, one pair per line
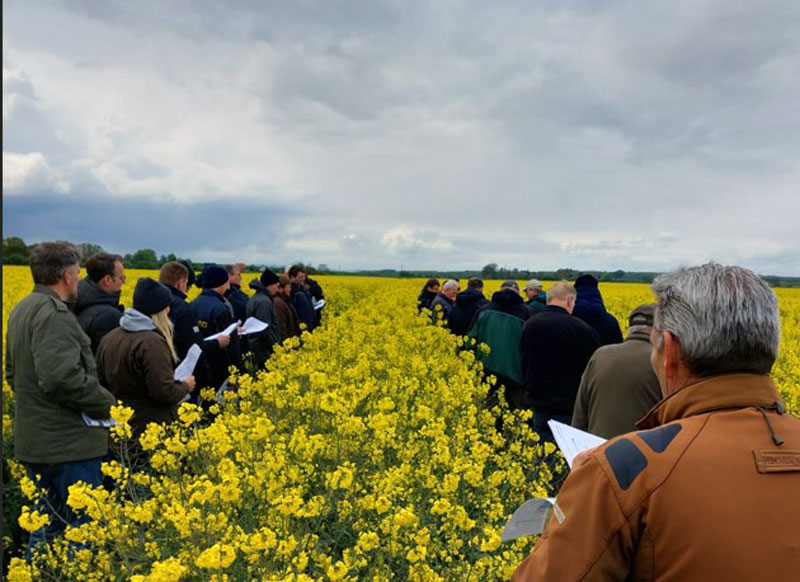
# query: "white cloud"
30, 173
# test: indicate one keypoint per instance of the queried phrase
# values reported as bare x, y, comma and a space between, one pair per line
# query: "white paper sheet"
253, 325
227, 331
319, 304
572, 441
529, 519
186, 367
89, 421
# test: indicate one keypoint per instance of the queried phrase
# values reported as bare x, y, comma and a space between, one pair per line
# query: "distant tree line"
16, 252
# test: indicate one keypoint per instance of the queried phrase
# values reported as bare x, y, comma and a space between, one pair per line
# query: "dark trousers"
54, 480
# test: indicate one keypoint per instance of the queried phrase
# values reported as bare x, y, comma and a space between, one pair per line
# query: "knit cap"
150, 296
213, 276
268, 278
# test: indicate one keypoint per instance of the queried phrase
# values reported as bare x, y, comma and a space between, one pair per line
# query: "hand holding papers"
227, 331
186, 367
253, 325
572, 441
319, 305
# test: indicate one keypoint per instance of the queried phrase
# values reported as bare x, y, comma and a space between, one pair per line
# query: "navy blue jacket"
589, 307
467, 304
186, 333
98, 312
214, 314
305, 307
238, 300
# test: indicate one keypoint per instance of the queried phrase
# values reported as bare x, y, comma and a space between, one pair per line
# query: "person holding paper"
301, 298
288, 320
708, 487
215, 314
137, 361
261, 307
50, 367
177, 277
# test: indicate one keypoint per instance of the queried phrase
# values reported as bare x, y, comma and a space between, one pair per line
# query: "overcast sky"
431, 134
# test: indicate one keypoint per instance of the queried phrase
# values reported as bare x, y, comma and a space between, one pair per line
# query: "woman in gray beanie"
137, 360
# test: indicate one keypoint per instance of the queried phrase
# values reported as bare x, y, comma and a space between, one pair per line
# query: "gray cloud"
602, 135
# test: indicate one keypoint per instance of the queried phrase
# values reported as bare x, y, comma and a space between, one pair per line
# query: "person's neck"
61, 291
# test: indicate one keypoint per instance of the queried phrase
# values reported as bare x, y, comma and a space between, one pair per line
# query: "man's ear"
672, 356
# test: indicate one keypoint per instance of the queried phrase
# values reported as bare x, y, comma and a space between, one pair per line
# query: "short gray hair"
450, 285
50, 260
725, 319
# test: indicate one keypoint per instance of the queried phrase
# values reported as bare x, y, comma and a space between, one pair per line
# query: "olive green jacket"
50, 367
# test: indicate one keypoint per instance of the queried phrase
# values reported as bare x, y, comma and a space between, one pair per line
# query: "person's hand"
581, 458
190, 382
240, 331
223, 341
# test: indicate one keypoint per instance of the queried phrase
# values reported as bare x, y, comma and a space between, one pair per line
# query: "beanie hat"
213, 276
510, 284
150, 296
189, 267
643, 315
268, 278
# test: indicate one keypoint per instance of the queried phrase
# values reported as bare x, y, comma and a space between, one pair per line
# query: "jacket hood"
715, 393
506, 297
133, 320
469, 297
589, 300
90, 293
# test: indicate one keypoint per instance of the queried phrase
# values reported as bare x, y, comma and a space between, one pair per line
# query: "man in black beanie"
214, 313
261, 307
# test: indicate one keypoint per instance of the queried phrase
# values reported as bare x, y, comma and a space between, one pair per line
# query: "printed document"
319, 304
227, 331
253, 325
89, 421
186, 367
572, 441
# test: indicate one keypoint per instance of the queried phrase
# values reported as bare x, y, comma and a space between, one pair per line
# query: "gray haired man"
707, 489
50, 367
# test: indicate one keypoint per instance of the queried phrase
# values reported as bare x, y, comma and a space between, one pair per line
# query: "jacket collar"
39, 288
715, 393
177, 292
556, 309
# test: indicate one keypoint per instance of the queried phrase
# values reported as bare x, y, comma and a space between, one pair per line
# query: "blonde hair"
164, 325
561, 291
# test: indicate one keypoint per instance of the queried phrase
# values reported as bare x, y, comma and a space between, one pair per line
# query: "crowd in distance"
695, 367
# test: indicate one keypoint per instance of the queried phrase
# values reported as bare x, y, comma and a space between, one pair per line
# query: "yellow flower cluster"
364, 454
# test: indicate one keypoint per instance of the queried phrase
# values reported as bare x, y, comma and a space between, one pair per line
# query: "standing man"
288, 320
619, 386
537, 298
175, 276
555, 348
261, 307
214, 314
315, 290
590, 308
708, 489
443, 302
97, 306
50, 367
499, 325
235, 296
301, 298
468, 302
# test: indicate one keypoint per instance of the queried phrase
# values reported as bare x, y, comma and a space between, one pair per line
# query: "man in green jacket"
58, 398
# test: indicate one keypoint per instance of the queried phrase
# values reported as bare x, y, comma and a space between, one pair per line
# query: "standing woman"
428, 294
137, 360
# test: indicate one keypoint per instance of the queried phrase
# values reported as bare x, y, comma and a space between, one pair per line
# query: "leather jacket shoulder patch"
626, 461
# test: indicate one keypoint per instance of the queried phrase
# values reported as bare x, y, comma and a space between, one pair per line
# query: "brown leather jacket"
705, 494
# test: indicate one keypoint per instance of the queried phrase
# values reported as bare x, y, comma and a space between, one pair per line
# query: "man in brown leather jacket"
709, 488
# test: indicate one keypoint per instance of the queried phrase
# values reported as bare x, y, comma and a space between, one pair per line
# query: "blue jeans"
540, 424
54, 480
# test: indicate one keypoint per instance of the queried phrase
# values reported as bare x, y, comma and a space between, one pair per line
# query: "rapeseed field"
364, 453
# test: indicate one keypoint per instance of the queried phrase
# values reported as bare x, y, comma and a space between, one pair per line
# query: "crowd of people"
698, 481
73, 350
700, 476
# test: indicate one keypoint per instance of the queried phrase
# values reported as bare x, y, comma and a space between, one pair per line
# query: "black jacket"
301, 299
98, 312
238, 300
185, 334
214, 314
425, 299
589, 307
554, 349
467, 304
315, 290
